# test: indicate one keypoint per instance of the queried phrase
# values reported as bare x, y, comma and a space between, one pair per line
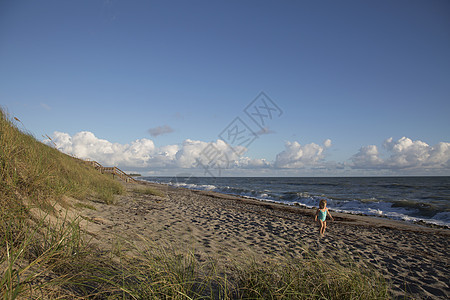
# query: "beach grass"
309, 277
149, 191
36, 176
44, 259
32, 170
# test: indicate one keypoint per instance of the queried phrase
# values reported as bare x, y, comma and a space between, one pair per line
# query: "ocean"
414, 199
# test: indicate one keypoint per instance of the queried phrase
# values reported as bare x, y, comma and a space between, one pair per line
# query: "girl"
322, 214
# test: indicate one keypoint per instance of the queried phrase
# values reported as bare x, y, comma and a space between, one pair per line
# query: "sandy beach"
413, 258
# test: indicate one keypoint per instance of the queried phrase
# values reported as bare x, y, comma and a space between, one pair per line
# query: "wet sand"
413, 258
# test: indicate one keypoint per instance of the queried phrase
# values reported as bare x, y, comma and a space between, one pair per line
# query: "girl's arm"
315, 217
328, 211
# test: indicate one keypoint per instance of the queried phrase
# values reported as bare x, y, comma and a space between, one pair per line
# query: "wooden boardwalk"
115, 171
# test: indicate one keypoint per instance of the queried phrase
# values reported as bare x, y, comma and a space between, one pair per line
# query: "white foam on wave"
192, 186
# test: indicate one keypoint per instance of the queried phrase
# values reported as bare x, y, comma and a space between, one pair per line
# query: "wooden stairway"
115, 171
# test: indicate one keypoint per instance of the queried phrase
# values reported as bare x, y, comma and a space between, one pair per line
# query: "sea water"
425, 199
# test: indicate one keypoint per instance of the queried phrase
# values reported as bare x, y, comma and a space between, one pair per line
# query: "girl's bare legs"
323, 226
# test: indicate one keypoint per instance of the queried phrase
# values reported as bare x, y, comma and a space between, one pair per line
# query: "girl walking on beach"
322, 214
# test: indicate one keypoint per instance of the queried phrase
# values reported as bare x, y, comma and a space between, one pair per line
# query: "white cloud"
143, 153
189, 152
248, 163
86, 145
214, 154
63, 142
163, 157
154, 132
298, 156
367, 158
404, 154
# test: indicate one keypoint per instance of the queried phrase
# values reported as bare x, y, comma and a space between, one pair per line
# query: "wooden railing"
115, 171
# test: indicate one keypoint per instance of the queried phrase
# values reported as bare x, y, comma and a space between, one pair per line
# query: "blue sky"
102, 77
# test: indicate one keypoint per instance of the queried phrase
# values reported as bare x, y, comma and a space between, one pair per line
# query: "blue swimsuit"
322, 215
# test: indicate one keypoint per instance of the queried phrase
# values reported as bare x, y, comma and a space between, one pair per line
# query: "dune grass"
165, 273
55, 260
309, 277
38, 172
34, 175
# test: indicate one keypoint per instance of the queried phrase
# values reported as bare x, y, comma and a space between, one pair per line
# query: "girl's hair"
322, 203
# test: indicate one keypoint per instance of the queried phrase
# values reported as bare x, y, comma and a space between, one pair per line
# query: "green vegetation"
36, 176
32, 170
54, 260
164, 273
309, 277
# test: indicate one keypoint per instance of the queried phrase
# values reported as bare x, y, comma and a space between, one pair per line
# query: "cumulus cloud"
298, 156
143, 153
216, 154
86, 145
367, 158
403, 154
249, 163
397, 155
154, 132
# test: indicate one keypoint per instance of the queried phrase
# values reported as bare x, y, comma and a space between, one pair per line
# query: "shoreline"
412, 257
355, 219
420, 222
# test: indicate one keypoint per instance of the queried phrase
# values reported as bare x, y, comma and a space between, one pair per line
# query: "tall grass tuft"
308, 277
